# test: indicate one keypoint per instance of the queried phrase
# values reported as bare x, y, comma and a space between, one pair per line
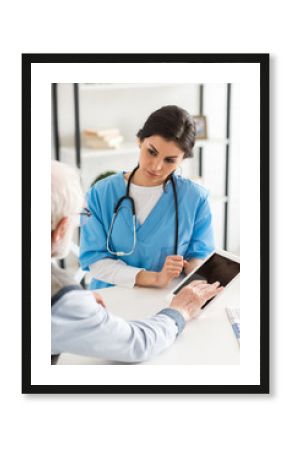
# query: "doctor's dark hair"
173, 124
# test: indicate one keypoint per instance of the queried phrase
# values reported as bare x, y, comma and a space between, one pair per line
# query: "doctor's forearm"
114, 271
146, 278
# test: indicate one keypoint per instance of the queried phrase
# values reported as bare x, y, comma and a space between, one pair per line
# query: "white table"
208, 339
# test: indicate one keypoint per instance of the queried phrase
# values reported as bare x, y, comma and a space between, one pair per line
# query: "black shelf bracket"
227, 166
55, 121
200, 154
77, 125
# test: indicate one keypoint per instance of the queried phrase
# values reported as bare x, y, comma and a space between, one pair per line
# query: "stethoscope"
132, 203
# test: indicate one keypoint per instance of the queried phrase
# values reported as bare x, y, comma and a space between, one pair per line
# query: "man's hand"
193, 296
172, 268
99, 299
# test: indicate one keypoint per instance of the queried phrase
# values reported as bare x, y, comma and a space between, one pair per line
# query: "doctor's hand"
193, 296
172, 268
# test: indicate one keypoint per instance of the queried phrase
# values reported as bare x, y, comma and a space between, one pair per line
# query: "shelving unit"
128, 149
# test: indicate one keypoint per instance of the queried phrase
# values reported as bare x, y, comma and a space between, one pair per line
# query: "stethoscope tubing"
127, 197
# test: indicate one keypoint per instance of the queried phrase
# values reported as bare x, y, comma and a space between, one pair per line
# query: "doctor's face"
158, 159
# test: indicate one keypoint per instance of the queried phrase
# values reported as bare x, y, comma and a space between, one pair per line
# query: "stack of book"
102, 139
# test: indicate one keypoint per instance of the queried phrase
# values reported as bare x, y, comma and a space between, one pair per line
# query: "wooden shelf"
211, 141
124, 149
127, 148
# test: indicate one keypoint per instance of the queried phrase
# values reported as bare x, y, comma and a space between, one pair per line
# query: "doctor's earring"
179, 171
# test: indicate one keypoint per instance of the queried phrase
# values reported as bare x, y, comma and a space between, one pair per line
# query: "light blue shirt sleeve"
202, 240
79, 325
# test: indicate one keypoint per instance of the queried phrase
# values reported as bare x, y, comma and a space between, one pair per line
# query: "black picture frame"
263, 61
200, 127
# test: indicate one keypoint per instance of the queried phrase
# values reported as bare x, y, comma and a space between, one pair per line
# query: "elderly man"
79, 322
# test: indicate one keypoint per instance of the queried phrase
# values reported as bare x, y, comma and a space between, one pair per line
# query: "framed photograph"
200, 127
224, 349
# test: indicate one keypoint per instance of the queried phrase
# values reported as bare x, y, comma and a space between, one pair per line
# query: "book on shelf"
109, 132
102, 139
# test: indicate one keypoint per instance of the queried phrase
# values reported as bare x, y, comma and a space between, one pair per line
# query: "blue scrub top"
156, 236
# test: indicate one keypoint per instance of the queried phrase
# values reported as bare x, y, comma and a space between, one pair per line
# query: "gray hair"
66, 192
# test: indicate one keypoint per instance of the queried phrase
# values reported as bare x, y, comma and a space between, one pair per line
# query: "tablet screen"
216, 268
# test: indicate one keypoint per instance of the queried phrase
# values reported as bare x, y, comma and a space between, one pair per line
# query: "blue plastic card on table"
234, 318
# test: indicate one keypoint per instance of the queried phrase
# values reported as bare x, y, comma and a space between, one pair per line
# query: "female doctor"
149, 225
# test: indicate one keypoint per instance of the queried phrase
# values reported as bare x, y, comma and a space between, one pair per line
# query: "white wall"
124, 108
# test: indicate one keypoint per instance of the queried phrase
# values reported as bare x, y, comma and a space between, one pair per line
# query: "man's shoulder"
59, 274
61, 283
75, 304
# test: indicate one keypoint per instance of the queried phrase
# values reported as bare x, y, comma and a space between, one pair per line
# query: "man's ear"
60, 230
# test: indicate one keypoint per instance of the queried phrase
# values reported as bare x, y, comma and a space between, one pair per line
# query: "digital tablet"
219, 266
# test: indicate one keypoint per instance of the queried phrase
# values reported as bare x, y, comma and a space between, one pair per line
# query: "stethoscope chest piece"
115, 214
